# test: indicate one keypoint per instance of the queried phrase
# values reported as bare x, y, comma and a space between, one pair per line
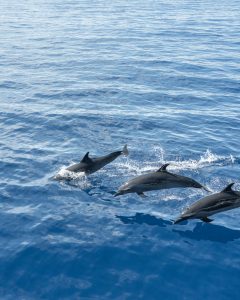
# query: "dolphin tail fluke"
125, 150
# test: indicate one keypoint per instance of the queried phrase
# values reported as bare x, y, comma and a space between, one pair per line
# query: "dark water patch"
211, 232
141, 218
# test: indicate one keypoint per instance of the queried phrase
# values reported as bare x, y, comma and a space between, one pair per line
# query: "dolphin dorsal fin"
86, 158
228, 188
163, 168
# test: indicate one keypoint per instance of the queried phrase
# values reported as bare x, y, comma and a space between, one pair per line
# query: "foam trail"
207, 159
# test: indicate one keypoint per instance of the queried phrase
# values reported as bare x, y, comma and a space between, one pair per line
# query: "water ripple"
160, 76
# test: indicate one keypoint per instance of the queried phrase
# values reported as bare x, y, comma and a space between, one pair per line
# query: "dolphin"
225, 200
162, 179
89, 165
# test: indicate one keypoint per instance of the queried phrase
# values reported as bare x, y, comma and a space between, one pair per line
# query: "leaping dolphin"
162, 179
90, 165
225, 200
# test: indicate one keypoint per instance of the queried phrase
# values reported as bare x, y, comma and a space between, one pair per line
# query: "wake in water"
205, 160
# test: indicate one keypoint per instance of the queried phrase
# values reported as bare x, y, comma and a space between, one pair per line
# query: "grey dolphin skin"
90, 165
225, 200
162, 179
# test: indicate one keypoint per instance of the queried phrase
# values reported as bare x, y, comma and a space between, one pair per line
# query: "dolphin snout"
197, 185
118, 193
200, 186
206, 189
180, 219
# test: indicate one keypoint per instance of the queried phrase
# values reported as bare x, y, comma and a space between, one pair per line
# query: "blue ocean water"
77, 76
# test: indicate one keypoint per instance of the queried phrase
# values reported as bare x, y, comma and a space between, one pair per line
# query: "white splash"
78, 179
208, 158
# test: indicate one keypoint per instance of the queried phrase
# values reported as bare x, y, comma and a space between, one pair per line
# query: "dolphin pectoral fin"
206, 220
142, 195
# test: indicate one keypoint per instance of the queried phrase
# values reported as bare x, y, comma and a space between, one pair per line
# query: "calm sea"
77, 76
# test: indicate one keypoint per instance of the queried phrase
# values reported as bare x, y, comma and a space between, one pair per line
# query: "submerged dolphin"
90, 165
162, 179
225, 200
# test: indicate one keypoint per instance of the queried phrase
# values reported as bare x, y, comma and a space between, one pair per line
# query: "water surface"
78, 76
